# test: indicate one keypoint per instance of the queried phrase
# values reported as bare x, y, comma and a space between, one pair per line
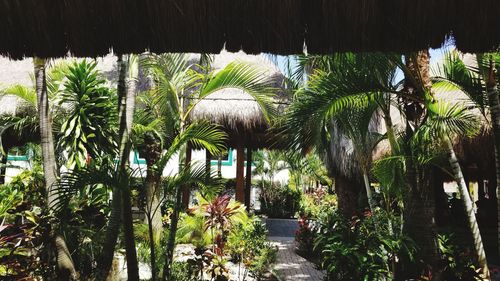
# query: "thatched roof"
237, 111
86, 28
232, 108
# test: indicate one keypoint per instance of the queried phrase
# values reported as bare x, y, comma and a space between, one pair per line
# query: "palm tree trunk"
128, 223
219, 166
152, 248
369, 194
469, 210
153, 211
248, 179
153, 202
105, 260
347, 195
46, 138
3, 167
174, 219
65, 263
494, 106
391, 136
419, 210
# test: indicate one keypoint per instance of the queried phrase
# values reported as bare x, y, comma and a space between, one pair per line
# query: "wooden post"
248, 182
187, 189
208, 163
240, 165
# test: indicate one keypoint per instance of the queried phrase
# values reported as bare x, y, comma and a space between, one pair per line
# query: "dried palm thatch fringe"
51, 28
231, 108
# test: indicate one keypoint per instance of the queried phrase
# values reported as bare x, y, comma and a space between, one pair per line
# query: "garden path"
290, 266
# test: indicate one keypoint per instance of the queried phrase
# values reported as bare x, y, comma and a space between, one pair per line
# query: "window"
18, 154
227, 158
138, 160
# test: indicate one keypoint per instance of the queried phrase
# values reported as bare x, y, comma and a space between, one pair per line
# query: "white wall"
228, 168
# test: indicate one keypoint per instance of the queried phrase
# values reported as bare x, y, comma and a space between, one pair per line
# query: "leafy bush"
182, 271
361, 248
24, 227
314, 207
313, 204
304, 237
278, 201
248, 245
457, 263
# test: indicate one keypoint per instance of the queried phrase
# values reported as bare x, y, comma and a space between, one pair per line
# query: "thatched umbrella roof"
50, 28
232, 108
237, 111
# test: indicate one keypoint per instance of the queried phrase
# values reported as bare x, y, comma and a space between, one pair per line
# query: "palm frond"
249, 78
200, 135
454, 75
447, 120
23, 93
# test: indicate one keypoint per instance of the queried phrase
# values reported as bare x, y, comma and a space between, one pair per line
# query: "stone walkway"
290, 266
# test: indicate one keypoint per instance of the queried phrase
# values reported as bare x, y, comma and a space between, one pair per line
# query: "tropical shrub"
248, 245
278, 201
313, 207
318, 201
23, 228
360, 248
304, 237
182, 271
457, 263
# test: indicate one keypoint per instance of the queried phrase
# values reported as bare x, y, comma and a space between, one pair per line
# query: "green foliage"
192, 230
91, 118
314, 207
457, 264
338, 83
141, 234
278, 201
248, 244
355, 250
314, 203
306, 170
182, 271
23, 227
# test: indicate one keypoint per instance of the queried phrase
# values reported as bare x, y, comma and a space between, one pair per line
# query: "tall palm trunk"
46, 137
469, 210
106, 259
494, 106
347, 194
419, 200
152, 153
391, 136
128, 223
125, 118
3, 167
174, 220
368, 189
64, 261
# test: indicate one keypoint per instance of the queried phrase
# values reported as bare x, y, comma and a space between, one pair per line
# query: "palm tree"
120, 203
349, 84
178, 87
85, 119
337, 83
444, 123
305, 170
355, 123
65, 262
479, 83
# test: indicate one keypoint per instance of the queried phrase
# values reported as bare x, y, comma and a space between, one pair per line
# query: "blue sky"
436, 56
